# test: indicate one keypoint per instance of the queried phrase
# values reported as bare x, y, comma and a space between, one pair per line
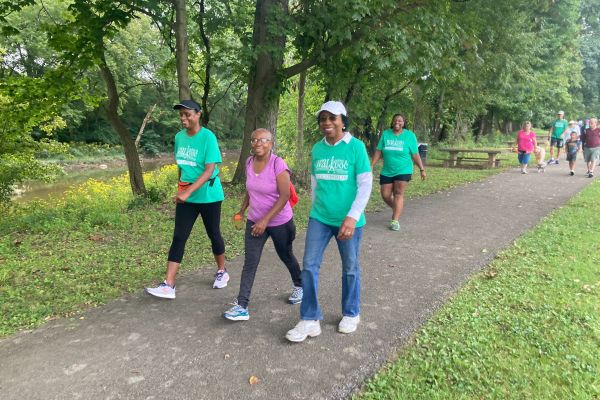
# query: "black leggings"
283, 238
185, 217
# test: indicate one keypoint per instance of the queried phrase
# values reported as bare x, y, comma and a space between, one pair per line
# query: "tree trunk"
492, 124
136, 178
144, 122
181, 53
439, 114
381, 126
264, 83
300, 159
208, 66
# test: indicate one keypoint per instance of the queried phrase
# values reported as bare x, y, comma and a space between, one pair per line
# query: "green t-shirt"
559, 127
191, 155
397, 151
335, 169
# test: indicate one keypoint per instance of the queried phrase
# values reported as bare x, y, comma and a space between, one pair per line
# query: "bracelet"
422, 170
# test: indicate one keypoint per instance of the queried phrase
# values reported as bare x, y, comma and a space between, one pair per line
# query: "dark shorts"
571, 156
385, 180
556, 142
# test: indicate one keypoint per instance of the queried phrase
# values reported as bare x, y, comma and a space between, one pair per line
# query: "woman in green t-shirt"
341, 182
199, 194
398, 148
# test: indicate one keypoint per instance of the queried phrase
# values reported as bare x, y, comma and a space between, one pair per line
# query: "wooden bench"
458, 156
476, 160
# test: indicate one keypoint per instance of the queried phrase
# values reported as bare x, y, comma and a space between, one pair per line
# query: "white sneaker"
164, 291
304, 329
348, 324
221, 279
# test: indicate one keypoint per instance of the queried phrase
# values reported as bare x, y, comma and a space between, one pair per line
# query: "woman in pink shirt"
526, 143
270, 215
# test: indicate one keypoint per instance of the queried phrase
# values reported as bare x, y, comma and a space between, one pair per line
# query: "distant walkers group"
341, 183
573, 136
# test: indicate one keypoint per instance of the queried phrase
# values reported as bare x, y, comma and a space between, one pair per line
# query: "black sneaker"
571, 173
590, 175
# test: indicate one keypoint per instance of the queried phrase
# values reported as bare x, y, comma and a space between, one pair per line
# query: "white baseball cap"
334, 107
561, 112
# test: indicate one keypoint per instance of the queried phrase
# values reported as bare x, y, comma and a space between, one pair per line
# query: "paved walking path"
139, 347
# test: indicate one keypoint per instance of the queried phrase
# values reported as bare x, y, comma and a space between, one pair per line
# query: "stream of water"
99, 171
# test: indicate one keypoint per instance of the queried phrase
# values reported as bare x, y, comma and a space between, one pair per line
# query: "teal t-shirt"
335, 169
397, 151
191, 155
559, 127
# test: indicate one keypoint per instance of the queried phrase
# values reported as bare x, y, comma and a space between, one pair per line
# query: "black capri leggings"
185, 217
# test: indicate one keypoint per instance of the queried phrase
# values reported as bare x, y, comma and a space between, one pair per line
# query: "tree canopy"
91, 70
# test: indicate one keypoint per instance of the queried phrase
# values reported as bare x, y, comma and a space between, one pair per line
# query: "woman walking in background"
526, 143
399, 150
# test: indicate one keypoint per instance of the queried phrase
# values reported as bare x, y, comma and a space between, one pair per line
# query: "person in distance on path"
398, 148
526, 144
572, 146
555, 136
591, 146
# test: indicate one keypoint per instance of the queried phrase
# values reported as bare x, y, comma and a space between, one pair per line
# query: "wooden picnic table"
453, 155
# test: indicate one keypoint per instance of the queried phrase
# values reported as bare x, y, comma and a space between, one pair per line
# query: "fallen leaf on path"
253, 380
484, 250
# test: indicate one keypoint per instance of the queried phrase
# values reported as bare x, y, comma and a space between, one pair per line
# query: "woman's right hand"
181, 197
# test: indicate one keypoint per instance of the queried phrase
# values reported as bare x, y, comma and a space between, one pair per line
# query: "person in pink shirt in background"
526, 143
270, 215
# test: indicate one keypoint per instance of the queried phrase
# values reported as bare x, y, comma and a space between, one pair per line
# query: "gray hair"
262, 130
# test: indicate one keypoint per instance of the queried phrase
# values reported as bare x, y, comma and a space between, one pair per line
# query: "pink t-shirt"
525, 141
262, 190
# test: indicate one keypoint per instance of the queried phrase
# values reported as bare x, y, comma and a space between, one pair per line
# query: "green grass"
526, 327
96, 243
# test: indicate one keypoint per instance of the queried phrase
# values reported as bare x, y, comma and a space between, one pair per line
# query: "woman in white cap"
199, 193
341, 181
399, 150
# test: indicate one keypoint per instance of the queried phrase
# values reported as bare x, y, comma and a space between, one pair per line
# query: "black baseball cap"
189, 104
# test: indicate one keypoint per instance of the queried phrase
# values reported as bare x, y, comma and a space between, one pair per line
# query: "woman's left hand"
259, 228
347, 229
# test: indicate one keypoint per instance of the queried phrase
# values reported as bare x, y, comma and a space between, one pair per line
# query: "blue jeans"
318, 236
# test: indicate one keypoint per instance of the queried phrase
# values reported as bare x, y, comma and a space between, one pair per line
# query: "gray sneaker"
164, 291
296, 296
221, 279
